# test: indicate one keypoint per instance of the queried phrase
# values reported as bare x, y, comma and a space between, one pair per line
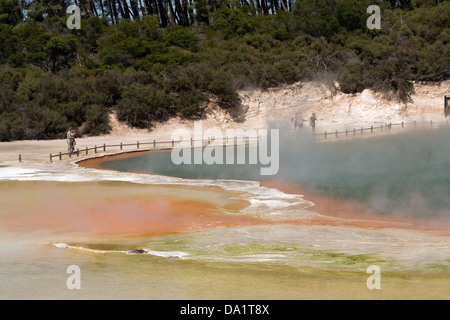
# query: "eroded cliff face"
334, 107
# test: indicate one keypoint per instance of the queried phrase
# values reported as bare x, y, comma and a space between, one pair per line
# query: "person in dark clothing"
312, 122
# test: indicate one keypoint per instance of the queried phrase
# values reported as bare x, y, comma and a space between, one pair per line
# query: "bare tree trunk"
122, 13
142, 8
172, 14
134, 8
265, 7
110, 11
85, 6
93, 8
102, 8
185, 12
162, 14
126, 9
189, 7
252, 6
148, 7
116, 14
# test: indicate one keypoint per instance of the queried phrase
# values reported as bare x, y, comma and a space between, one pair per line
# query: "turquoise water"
406, 174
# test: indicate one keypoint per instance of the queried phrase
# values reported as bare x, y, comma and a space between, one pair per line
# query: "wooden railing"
170, 144
154, 144
378, 128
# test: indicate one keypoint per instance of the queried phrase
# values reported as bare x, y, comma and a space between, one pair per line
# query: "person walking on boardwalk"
72, 142
300, 120
312, 122
68, 135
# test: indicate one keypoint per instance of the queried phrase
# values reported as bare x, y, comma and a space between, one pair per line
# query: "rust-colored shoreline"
349, 213
332, 212
95, 162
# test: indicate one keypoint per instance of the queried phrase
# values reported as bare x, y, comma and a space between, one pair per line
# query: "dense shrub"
52, 78
140, 106
97, 121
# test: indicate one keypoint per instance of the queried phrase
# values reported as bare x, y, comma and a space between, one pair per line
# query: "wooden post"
402, 124
371, 129
154, 143
87, 150
20, 158
104, 147
325, 134
191, 142
336, 133
137, 144
51, 160
121, 146
60, 155
78, 152
95, 149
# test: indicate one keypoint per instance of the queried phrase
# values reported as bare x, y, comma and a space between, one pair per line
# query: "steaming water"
248, 262
407, 174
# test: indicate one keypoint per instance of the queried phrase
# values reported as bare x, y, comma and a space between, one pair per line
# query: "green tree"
9, 42
316, 17
61, 53
232, 22
11, 12
39, 10
183, 39
222, 86
140, 106
351, 14
351, 76
97, 121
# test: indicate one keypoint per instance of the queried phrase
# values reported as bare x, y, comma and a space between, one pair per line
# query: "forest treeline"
150, 60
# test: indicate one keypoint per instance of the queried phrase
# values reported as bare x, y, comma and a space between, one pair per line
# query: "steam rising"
407, 173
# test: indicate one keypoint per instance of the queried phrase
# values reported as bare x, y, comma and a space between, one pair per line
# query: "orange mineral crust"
116, 209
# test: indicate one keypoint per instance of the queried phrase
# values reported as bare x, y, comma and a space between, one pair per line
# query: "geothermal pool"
406, 175
155, 230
